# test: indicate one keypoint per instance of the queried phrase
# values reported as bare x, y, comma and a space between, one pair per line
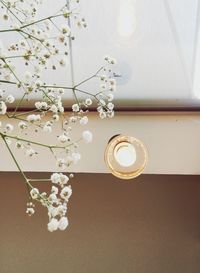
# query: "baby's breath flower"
3, 108
102, 115
9, 127
47, 128
30, 152
41, 105
56, 117
75, 108
87, 136
62, 163
59, 179
10, 99
54, 190
34, 193
33, 118
84, 120
110, 106
76, 157
19, 145
110, 97
30, 211
63, 223
39, 52
53, 225
54, 108
22, 125
88, 101
66, 193
63, 138
65, 29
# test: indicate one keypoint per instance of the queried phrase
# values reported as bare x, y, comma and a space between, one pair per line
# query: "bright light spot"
125, 154
126, 18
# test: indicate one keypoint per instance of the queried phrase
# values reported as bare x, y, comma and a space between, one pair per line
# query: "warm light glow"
126, 18
125, 154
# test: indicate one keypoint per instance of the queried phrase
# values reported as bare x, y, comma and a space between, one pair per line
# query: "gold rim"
128, 172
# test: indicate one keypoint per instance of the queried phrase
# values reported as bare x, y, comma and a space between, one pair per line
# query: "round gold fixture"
125, 156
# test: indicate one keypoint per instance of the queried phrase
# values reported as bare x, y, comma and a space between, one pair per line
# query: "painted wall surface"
151, 224
172, 141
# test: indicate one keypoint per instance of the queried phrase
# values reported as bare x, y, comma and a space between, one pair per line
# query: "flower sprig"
46, 43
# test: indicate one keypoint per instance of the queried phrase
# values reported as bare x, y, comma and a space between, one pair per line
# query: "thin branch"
36, 143
86, 80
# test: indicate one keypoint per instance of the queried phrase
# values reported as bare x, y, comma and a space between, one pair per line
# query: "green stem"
86, 80
28, 185
36, 143
39, 180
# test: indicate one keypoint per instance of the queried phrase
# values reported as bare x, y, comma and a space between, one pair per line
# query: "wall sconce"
125, 156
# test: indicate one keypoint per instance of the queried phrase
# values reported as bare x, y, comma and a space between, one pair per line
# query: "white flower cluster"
3, 101
107, 86
43, 45
56, 202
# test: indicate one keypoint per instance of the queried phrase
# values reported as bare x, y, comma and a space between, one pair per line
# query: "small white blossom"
47, 128
33, 118
110, 106
110, 97
22, 125
10, 99
41, 105
63, 223
30, 211
59, 178
56, 117
53, 225
54, 190
62, 163
72, 119
76, 157
66, 193
102, 115
111, 114
63, 138
110, 60
30, 152
19, 145
9, 127
54, 108
52, 211
3, 108
84, 120
34, 193
65, 29
53, 198
88, 101
112, 81
75, 107
87, 136
102, 102
38, 83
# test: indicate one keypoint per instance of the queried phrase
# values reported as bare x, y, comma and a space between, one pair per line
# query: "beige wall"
151, 224
172, 141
